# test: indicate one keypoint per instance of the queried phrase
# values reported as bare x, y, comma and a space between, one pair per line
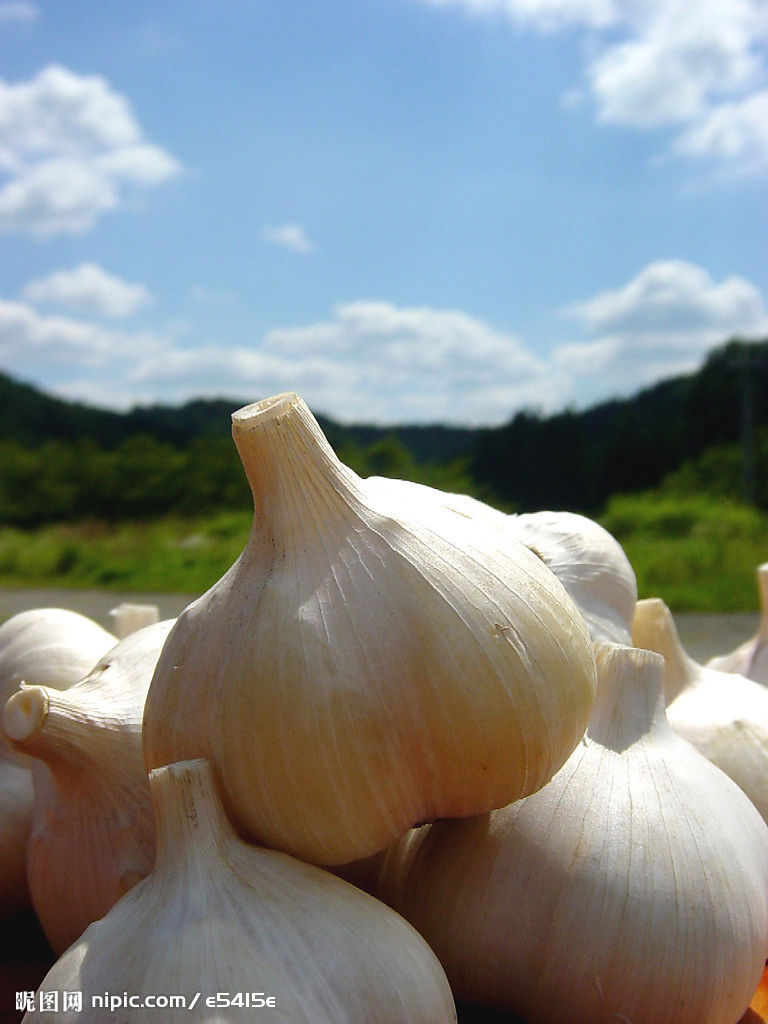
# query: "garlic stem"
279, 443
655, 629
47, 723
190, 823
630, 697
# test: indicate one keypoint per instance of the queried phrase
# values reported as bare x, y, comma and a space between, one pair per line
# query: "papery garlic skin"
633, 887
51, 645
587, 559
750, 659
47, 646
92, 835
723, 714
363, 666
220, 916
591, 565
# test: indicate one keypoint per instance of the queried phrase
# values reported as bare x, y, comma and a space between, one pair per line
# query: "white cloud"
90, 290
698, 67
672, 295
70, 147
289, 236
659, 324
18, 10
732, 133
29, 340
372, 361
378, 362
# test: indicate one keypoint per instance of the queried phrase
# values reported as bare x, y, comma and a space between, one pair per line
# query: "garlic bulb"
361, 668
220, 916
750, 659
724, 715
591, 565
92, 832
127, 617
633, 887
585, 557
57, 647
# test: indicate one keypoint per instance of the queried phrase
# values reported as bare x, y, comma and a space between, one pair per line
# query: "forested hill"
577, 460
572, 460
30, 417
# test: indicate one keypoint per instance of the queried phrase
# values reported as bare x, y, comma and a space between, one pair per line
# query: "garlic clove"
750, 659
127, 617
723, 714
92, 835
368, 662
218, 915
57, 647
634, 886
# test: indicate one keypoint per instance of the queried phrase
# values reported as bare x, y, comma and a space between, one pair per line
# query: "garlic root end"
24, 713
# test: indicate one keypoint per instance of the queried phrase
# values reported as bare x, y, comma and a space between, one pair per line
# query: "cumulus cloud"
289, 236
70, 149
661, 323
734, 134
652, 63
374, 361
29, 340
90, 290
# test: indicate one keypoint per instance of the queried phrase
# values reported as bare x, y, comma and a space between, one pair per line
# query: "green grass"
164, 555
698, 554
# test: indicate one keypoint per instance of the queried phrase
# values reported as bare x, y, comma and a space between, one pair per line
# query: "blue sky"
404, 210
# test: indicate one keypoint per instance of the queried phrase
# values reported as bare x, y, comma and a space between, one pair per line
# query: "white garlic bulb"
92, 834
750, 659
42, 645
633, 887
587, 559
591, 565
220, 916
362, 666
724, 715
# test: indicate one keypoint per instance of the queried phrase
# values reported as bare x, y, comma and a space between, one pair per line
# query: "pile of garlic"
414, 691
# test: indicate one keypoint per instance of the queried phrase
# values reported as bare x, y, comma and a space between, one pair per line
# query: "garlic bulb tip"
24, 712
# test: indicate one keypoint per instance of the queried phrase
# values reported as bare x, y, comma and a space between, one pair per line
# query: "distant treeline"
702, 433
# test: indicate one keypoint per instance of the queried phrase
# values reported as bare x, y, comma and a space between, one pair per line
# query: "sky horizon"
407, 211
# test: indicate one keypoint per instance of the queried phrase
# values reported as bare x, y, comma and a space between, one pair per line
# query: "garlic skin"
724, 715
219, 915
633, 887
364, 666
55, 646
587, 559
127, 617
92, 835
750, 659
591, 565
48, 646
